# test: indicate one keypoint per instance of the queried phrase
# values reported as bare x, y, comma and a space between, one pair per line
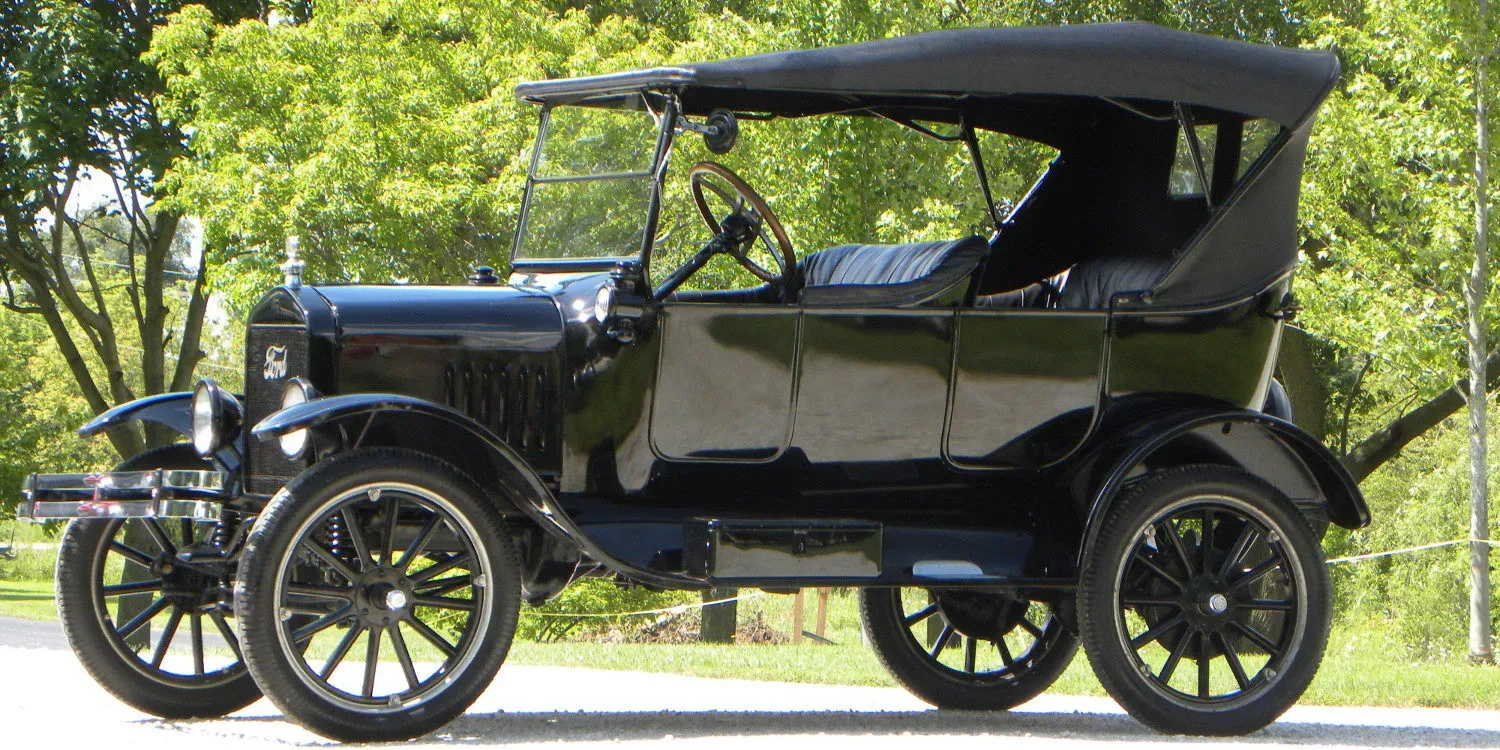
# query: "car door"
1026, 385
873, 386
724, 382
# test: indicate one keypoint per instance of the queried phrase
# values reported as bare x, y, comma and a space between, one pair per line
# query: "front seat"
890, 275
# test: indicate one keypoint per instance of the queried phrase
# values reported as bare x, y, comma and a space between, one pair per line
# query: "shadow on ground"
506, 728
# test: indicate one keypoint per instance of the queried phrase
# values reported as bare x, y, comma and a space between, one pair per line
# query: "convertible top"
1126, 61
1116, 100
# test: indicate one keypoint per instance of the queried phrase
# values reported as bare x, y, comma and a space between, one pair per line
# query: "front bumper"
160, 493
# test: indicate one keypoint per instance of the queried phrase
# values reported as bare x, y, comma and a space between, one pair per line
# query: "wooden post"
719, 620
822, 612
797, 617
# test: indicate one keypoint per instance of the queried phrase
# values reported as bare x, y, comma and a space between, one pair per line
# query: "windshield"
589, 194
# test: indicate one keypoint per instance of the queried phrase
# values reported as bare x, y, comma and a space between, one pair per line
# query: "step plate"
726, 549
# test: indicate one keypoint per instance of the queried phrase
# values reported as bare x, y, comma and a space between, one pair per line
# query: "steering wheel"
739, 237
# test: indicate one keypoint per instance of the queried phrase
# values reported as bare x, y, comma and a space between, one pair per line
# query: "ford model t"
1062, 431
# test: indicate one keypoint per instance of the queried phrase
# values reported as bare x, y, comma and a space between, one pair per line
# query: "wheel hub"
1208, 602
383, 595
986, 616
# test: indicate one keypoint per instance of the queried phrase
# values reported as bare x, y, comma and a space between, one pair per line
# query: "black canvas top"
1130, 61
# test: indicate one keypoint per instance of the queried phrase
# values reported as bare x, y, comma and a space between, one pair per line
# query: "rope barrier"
674, 610
1406, 550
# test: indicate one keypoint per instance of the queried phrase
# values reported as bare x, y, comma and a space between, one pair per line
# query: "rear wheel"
379, 595
969, 650
145, 604
1205, 605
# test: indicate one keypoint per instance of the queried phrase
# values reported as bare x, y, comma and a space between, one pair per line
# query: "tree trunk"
1474, 299
719, 620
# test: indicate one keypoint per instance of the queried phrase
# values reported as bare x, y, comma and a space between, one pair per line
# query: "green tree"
78, 106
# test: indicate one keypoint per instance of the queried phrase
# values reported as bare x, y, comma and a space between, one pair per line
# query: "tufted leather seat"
1092, 284
888, 275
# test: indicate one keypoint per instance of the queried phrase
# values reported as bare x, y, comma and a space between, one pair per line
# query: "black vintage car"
1064, 432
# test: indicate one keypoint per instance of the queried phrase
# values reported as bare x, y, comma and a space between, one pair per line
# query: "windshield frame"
666, 118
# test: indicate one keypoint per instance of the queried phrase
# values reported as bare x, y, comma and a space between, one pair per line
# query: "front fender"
1274, 449
171, 410
468, 444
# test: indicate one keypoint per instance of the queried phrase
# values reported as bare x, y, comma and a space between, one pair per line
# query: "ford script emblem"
275, 362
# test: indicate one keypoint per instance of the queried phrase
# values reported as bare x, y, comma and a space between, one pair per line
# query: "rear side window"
1253, 137
1185, 180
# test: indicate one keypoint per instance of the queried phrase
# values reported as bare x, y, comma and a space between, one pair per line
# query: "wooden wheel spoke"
924, 613
419, 545
1267, 604
196, 626
1173, 658
1237, 552
1146, 602
226, 632
398, 644
1205, 666
1162, 628
1256, 637
1163, 573
1006, 657
140, 620
141, 587
1174, 540
942, 641
321, 624
1234, 661
134, 555
1206, 541
971, 648
165, 641
159, 536
320, 592
440, 602
428, 574
338, 566
1258, 572
340, 651
357, 537
392, 519
443, 585
372, 662
1030, 627
431, 636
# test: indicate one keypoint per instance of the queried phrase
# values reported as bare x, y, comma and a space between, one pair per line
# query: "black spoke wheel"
1205, 604
379, 596
145, 604
969, 650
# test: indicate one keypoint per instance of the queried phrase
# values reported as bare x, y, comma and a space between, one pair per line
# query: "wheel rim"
976, 637
352, 586
1210, 625
166, 617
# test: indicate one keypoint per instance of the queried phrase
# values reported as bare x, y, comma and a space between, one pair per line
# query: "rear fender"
369, 419
1273, 449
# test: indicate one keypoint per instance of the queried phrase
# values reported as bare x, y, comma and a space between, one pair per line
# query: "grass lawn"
31, 600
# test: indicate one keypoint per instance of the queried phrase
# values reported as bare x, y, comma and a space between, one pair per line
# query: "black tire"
322, 559
212, 684
989, 652
1154, 596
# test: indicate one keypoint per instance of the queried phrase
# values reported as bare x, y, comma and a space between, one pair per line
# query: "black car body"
937, 416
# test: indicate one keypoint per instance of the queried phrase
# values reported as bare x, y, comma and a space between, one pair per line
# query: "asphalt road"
46, 700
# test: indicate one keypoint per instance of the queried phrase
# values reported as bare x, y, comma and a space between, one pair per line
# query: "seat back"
889, 275
1092, 284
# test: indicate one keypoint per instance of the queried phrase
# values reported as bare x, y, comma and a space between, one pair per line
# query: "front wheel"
145, 605
1205, 605
378, 596
969, 650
